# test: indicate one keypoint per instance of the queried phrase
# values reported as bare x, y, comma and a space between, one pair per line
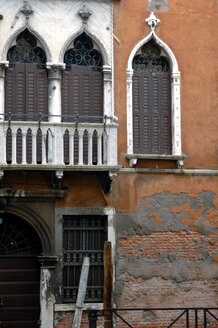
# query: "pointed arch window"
26, 87
151, 101
83, 82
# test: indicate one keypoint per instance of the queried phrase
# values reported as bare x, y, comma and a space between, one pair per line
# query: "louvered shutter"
15, 91
82, 93
151, 113
36, 92
26, 91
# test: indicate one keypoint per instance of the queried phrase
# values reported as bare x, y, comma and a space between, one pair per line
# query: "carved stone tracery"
83, 53
26, 50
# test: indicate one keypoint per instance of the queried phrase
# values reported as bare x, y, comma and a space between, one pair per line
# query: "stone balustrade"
57, 145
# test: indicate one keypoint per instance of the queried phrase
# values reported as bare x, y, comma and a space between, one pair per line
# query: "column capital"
3, 65
175, 77
48, 262
54, 70
52, 65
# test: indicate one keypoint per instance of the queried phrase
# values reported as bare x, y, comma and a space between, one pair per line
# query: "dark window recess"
26, 86
151, 102
83, 236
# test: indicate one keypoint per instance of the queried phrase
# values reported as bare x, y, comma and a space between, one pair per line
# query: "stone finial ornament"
24, 9
84, 14
152, 21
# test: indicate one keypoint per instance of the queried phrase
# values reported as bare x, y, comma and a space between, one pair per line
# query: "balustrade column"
3, 65
54, 91
14, 147
34, 157
90, 135
99, 149
80, 148
43, 148
24, 154
71, 148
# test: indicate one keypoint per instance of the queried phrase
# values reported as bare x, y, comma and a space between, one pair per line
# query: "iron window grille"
83, 236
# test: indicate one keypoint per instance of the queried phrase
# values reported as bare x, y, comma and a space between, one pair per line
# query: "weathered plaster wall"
167, 255
188, 28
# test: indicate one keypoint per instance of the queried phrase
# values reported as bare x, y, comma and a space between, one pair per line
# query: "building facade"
108, 130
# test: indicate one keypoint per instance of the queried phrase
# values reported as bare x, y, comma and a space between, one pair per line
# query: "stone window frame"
176, 155
59, 213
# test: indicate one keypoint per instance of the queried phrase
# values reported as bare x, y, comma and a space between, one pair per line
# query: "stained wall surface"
166, 223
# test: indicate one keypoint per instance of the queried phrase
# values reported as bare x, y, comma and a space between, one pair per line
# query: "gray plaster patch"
171, 209
162, 213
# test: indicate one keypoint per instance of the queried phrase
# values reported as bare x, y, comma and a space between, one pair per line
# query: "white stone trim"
175, 95
107, 91
47, 300
3, 65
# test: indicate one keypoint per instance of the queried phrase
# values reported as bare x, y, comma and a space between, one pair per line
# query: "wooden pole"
108, 281
81, 293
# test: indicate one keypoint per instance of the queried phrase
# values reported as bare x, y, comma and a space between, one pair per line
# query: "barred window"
83, 235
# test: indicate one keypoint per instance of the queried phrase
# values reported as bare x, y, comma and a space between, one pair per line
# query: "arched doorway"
19, 273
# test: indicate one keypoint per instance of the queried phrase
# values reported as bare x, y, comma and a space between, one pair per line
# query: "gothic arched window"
83, 82
151, 101
26, 87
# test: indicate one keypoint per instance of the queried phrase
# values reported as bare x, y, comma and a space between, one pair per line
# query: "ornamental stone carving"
152, 21
84, 13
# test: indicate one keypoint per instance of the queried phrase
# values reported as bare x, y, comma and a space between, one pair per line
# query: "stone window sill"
133, 158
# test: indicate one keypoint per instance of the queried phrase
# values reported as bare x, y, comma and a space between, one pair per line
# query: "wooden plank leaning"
81, 293
108, 282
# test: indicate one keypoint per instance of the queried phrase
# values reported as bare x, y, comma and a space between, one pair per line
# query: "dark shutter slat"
31, 92
65, 94
42, 92
151, 113
19, 92
9, 90
136, 111
97, 101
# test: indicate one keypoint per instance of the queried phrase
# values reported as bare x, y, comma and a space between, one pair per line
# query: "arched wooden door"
19, 274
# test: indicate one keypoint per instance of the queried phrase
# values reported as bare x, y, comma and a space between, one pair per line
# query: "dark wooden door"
19, 292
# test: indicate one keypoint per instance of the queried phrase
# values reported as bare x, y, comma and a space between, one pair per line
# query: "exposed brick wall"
166, 257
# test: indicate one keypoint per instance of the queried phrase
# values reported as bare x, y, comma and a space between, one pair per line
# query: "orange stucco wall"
189, 29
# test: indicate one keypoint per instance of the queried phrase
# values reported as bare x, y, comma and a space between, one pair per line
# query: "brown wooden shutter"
26, 94
10, 90
151, 113
26, 91
82, 93
15, 91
